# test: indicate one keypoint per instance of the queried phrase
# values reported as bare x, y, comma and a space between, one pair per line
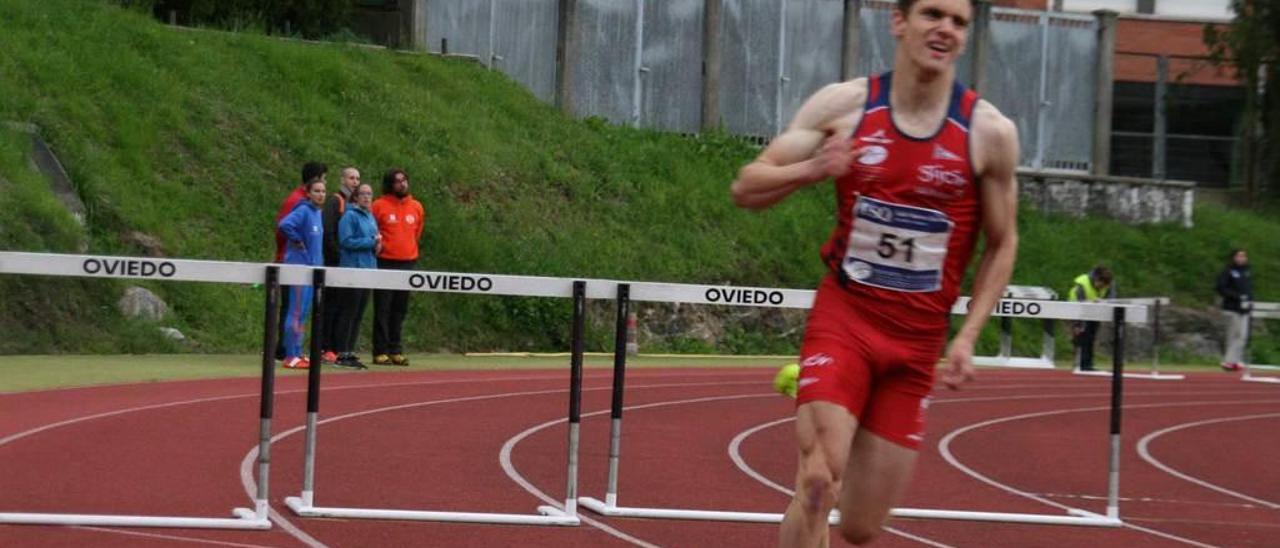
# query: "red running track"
1198, 462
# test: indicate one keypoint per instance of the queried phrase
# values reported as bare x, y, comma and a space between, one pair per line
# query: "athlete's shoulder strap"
963, 101
878, 90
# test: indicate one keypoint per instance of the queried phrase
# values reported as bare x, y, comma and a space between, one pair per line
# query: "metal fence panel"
640, 62
1014, 75
524, 44
464, 24
750, 42
1069, 92
605, 70
811, 49
671, 63
875, 45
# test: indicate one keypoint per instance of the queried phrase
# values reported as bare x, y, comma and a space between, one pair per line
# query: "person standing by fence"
359, 241
304, 231
399, 219
310, 172
1235, 286
334, 208
1092, 286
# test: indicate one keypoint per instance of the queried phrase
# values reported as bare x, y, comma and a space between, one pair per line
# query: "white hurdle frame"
625, 292
1006, 358
1269, 311
97, 266
448, 282
1155, 304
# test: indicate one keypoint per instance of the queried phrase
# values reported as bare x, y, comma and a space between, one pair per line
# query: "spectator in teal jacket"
358, 241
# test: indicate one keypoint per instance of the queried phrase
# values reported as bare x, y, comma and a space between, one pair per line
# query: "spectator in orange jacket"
399, 219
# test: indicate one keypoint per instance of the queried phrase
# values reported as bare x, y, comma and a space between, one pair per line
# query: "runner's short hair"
905, 5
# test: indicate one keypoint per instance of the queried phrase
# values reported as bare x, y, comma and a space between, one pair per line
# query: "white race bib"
897, 247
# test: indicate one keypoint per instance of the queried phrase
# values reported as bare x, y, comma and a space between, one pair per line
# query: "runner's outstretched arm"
811, 150
997, 139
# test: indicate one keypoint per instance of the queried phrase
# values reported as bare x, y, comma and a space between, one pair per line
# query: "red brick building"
1201, 104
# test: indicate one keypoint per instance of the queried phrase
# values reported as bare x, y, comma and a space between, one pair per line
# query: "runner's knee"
819, 482
858, 531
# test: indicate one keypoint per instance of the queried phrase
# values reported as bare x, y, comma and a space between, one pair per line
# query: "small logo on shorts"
818, 360
806, 382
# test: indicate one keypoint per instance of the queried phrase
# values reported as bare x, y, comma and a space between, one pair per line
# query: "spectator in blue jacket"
303, 228
358, 241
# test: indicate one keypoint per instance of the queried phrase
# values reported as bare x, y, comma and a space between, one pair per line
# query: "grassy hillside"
194, 138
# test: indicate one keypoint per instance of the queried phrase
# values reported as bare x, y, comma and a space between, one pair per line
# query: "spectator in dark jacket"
1235, 286
334, 207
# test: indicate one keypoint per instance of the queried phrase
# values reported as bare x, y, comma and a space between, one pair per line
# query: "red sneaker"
329, 357
294, 362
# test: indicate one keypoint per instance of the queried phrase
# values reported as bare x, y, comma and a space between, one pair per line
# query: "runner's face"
934, 33
1241, 258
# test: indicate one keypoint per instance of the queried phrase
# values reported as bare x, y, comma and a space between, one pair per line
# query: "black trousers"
389, 309
348, 323
1084, 346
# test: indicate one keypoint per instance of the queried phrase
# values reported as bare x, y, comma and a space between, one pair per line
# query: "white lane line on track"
276, 516
736, 455
1144, 451
507, 448
128, 532
247, 463
944, 447
742, 465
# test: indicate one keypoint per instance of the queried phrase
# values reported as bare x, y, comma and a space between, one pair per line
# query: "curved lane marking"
735, 454
1143, 450
247, 463
943, 448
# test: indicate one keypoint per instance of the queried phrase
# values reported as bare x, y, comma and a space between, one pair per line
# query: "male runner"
921, 166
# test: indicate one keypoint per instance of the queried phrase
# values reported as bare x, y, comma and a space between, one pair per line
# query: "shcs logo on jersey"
410, 219
940, 175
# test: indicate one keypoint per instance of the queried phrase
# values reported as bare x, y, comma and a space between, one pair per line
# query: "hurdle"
447, 282
1006, 358
625, 292
95, 266
1154, 304
1260, 311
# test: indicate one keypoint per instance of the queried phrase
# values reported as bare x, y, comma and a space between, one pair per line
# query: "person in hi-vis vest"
1091, 287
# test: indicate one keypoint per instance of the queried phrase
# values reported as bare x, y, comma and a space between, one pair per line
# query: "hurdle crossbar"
625, 292
1261, 311
448, 282
96, 266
